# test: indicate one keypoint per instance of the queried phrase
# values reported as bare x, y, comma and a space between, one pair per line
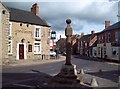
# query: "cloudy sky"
86, 15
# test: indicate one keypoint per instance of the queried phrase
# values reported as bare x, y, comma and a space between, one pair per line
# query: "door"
101, 52
21, 51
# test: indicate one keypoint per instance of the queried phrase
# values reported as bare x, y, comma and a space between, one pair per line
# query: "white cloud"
50, 0
86, 15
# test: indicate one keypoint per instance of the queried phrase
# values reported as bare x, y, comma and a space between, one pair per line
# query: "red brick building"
87, 42
75, 44
108, 45
61, 45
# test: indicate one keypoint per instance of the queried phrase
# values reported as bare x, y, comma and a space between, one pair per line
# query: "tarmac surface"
107, 79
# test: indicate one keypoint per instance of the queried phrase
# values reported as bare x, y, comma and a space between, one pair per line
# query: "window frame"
117, 36
38, 36
95, 52
29, 47
37, 46
10, 47
114, 51
10, 29
99, 49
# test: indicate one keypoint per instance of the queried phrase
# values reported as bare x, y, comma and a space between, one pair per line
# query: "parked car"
52, 53
64, 53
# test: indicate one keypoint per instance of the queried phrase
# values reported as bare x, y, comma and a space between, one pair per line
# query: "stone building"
4, 25
28, 35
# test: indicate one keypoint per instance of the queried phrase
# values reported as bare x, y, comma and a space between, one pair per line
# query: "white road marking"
53, 74
23, 85
113, 63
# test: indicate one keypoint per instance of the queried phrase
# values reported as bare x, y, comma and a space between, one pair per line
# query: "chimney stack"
82, 34
92, 32
60, 36
107, 23
35, 9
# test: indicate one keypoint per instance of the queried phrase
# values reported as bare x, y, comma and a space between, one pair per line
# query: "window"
109, 37
102, 37
29, 48
104, 51
105, 37
95, 53
117, 36
98, 50
10, 29
99, 39
37, 32
113, 51
3, 11
86, 45
10, 47
37, 48
81, 44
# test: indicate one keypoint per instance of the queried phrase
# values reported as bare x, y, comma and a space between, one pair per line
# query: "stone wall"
45, 42
4, 26
21, 31
26, 31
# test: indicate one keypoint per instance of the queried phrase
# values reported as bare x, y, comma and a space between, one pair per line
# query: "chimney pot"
92, 32
60, 36
82, 34
107, 23
35, 9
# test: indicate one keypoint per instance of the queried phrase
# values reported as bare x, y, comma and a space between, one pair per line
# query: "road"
49, 68
110, 71
54, 67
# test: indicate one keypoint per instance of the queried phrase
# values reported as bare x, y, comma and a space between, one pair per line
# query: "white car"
52, 53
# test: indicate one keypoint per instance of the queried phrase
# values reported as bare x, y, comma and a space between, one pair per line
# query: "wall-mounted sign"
53, 35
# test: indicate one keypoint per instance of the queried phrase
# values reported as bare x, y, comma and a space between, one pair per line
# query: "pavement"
108, 79
33, 62
96, 59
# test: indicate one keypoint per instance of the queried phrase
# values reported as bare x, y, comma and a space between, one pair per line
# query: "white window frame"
37, 27
10, 47
10, 29
37, 45
114, 50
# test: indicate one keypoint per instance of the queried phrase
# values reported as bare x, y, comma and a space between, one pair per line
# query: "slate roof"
18, 15
87, 38
112, 27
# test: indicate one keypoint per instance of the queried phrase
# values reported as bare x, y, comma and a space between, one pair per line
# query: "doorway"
101, 52
21, 51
